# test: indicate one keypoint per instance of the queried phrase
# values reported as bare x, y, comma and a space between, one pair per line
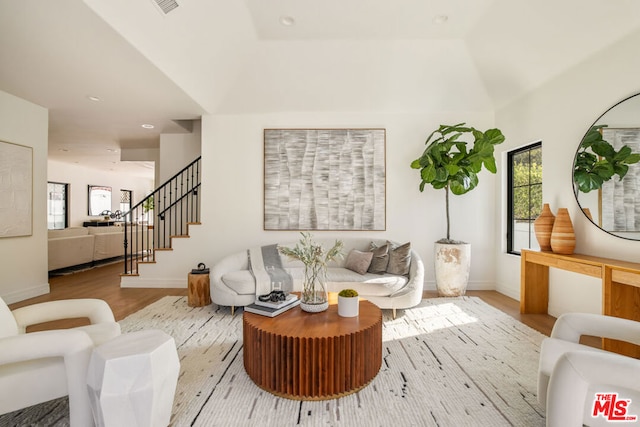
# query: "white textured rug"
447, 362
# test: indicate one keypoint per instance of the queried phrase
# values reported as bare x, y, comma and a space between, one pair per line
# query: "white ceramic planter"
348, 306
452, 264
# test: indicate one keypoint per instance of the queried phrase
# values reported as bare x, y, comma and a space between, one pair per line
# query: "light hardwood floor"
104, 283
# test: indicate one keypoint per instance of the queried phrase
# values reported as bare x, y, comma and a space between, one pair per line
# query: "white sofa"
81, 245
232, 283
71, 246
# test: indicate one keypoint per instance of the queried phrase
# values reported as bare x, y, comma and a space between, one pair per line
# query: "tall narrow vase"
563, 238
543, 226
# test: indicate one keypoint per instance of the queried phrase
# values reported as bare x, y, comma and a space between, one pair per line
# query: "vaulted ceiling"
231, 56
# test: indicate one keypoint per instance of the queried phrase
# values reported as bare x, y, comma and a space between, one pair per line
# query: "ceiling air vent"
166, 6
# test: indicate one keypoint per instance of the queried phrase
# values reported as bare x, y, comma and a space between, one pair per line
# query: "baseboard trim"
510, 292
471, 286
142, 282
24, 294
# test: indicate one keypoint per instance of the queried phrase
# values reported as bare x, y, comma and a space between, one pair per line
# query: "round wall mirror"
606, 170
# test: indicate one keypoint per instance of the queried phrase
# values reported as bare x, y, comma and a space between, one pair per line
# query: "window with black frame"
125, 201
524, 196
57, 205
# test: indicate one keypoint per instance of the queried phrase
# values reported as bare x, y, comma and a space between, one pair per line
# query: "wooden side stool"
199, 290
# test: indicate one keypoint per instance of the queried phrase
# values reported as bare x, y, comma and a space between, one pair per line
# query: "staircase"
152, 226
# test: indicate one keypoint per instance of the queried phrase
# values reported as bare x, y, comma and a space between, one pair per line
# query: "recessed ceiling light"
93, 98
63, 149
440, 19
287, 21
148, 126
112, 150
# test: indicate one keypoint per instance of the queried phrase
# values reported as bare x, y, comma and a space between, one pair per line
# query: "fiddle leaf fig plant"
449, 162
597, 161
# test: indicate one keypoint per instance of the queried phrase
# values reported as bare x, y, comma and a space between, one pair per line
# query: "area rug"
447, 362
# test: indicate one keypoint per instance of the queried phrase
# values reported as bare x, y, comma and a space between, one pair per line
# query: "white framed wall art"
16, 190
324, 179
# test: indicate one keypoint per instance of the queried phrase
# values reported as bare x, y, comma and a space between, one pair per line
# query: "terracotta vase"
543, 226
563, 238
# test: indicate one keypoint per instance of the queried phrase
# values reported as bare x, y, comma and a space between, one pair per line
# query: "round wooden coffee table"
313, 356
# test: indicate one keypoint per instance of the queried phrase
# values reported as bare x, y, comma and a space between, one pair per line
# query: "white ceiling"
232, 56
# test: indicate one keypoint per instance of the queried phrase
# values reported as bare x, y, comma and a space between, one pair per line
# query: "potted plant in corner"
451, 163
348, 303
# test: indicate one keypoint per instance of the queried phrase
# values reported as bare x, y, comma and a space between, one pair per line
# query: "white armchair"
565, 337
593, 388
40, 366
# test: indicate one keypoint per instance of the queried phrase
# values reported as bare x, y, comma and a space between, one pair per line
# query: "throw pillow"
380, 259
358, 261
399, 259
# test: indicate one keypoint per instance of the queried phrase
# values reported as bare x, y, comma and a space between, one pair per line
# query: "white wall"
79, 178
23, 260
232, 203
177, 151
559, 113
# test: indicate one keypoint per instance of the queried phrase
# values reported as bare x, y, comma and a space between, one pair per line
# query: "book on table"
270, 311
277, 304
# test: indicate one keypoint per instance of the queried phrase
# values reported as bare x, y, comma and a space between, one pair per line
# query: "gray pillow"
399, 259
380, 259
358, 261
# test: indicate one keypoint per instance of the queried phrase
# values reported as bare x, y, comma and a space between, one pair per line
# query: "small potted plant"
348, 303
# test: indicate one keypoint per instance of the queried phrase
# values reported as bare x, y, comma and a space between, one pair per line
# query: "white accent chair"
601, 371
40, 366
565, 337
579, 375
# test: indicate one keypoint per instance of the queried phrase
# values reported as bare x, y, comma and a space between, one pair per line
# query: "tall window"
125, 200
524, 196
57, 205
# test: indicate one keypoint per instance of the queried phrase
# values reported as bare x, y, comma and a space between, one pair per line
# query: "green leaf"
441, 174
623, 153
452, 169
416, 164
632, 158
494, 136
588, 181
490, 164
428, 174
603, 148
621, 170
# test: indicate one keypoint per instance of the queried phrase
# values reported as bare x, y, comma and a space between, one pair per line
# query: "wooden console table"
305, 356
620, 287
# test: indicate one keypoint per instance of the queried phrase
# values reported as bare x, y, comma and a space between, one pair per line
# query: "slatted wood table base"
317, 356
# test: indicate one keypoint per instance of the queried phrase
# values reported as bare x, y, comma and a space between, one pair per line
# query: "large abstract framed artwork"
324, 179
620, 199
16, 190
